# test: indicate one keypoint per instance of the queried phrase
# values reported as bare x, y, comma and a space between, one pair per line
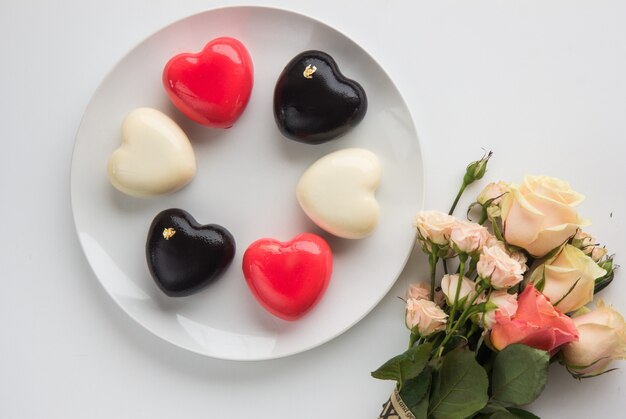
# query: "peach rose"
585, 242
434, 226
505, 305
515, 254
602, 340
536, 323
540, 214
499, 268
424, 317
449, 284
492, 192
570, 268
419, 291
468, 237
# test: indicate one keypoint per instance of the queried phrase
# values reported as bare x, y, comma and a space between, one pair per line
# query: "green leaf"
492, 407
415, 392
522, 414
503, 415
406, 365
460, 387
605, 281
510, 413
519, 374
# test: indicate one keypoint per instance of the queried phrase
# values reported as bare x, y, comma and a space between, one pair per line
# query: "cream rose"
424, 317
569, 268
505, 304
540, 214
499, 268
602, 340
449, 284
468, 237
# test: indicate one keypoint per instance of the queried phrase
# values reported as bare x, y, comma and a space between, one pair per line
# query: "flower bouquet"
511, 300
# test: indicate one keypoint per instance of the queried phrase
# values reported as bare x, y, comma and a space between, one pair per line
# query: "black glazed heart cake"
315, 103
184, 256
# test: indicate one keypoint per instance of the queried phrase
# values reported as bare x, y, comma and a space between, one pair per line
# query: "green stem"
432, 261
479, 344
483, 217
458, 196
472, 330
462, 258
462, 318
412, 339
496, 230
472, 267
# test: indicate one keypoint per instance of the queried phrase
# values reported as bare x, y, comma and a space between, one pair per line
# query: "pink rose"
424, 317
468, 237
515, 254
540, 215
602, 340
434, 226
505, 305
536, 323
500, 269
419, 291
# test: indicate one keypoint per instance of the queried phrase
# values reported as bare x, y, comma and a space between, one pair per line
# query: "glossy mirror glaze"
184, 256
213, 86
288, 278
315, 103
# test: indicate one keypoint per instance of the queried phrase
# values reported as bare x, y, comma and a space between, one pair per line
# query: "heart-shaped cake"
155, 156
184, 256
337, 192
314, 102
211, 87
288, 278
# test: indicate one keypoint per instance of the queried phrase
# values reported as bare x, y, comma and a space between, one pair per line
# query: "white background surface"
540, 83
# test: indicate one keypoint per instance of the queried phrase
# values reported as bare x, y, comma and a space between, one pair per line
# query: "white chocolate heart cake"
155, 156
337, 192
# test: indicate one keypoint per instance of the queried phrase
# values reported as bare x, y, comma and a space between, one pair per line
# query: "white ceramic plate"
246, 182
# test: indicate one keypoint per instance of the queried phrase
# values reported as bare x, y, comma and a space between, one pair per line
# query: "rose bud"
434, 228
449, 284
467, 237
602, 340
492, 194
499, 268
419, 291
505, 305
424, 317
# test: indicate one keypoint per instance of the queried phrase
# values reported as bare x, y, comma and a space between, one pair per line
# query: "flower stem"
458, 196
463, 317
479, 344
483, 217
412, 339
462, 258
432, 261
